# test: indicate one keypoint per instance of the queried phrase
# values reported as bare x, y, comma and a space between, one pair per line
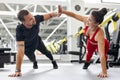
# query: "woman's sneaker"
86, 65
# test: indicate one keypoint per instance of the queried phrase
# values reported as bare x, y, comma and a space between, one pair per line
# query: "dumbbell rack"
5, 56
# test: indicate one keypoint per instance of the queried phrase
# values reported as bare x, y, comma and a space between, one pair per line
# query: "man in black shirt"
28, 39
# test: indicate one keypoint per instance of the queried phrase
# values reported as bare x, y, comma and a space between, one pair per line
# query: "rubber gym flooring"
66, 71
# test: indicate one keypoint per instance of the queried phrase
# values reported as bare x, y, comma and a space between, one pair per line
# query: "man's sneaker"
55, 66
86, 65
35, 66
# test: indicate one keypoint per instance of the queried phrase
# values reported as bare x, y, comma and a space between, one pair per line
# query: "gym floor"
66, 71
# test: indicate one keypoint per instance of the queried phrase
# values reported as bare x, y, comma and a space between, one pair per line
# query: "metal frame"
12, 11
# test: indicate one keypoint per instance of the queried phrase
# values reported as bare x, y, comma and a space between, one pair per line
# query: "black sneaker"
35, 66
86, 65
55, 66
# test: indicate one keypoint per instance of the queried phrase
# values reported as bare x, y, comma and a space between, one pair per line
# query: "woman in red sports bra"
95, 36
92, 46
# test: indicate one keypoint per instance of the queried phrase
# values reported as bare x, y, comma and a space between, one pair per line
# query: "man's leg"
32, 58
41, 47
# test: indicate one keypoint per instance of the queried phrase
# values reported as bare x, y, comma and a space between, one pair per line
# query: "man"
28, 39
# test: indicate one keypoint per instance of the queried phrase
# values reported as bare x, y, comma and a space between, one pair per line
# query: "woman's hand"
60, 10
102, 75
16, 74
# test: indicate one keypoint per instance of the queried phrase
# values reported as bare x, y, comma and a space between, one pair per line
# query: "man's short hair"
21, 14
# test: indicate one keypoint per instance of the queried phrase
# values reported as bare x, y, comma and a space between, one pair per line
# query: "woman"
95, 36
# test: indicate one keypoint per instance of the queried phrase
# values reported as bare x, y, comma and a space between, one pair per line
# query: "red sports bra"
92, 39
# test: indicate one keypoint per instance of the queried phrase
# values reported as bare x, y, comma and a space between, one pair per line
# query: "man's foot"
86, 65
55, 66
35, 66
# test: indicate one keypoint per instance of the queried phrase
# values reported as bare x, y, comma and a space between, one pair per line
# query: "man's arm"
50, 15
19, 59
20, 54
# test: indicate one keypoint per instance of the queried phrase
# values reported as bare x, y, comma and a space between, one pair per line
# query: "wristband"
17, 70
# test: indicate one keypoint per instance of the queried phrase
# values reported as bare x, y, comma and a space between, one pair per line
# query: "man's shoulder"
39, 18
20, 25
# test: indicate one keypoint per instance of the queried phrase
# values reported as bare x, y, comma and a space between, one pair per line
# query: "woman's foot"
86, 65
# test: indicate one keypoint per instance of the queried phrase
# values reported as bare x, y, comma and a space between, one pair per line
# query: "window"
110, 1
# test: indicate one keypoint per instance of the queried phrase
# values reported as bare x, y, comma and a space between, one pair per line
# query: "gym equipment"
81, 44
114, 50
115, 42
6, 57
56, 47
110, 18
73, 25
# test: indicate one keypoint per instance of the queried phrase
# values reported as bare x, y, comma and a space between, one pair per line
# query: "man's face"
29, 20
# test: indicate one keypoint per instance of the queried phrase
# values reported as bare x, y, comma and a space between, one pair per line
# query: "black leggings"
41, 47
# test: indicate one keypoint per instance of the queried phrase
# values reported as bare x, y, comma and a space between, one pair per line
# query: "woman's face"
91, 21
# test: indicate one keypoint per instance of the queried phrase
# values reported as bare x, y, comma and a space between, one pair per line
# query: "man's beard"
30, 26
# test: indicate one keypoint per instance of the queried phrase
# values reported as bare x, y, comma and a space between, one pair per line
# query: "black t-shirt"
30, 36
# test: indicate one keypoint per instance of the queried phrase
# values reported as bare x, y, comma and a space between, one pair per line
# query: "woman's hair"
99, 15
21, 14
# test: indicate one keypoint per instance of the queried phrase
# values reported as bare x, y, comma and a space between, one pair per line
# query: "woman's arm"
71, 14
101, 49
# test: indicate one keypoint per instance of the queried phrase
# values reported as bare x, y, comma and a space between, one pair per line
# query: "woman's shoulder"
100, 32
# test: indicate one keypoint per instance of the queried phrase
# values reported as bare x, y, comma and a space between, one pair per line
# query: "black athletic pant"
41, 47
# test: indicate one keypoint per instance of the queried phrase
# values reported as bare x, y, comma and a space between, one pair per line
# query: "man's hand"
55, 14
16, 74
